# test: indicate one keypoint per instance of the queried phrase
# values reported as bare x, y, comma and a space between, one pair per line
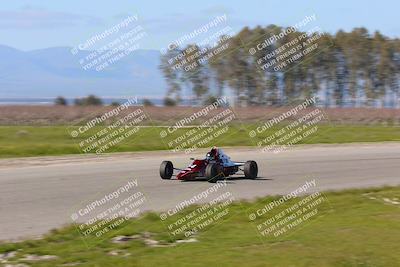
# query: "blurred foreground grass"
359, 228
20, 141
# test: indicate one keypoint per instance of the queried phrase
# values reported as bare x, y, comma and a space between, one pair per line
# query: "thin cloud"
218, 10
29, 17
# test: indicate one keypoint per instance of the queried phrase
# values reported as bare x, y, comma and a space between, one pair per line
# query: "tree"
169, 68
147, 102
60, 101
169, 102
210, 100
93, 100
90, 100
346, 68
219, 65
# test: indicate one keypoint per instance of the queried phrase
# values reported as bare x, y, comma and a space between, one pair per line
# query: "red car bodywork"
198, 167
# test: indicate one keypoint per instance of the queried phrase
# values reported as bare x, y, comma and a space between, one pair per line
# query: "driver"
213, 154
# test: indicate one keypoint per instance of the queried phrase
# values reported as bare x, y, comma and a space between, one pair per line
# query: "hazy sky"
46, 23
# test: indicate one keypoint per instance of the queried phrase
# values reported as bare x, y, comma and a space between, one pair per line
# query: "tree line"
354, 68
92, 100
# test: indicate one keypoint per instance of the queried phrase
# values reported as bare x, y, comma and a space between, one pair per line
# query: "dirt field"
60, 115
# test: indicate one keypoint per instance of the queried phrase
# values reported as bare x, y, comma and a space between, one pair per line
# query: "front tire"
166, 169
250, 169
213, 172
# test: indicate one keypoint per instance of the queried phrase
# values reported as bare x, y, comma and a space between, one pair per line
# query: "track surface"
39, 194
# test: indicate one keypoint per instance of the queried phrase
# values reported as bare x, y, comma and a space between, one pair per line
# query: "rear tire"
166, 169
213, 172
250, 169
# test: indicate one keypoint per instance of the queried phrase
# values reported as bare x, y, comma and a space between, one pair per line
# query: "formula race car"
215, 166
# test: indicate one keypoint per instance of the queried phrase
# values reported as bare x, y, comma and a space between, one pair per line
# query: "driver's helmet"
212, 155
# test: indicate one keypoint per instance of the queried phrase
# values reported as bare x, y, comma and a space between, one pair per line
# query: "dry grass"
59, 115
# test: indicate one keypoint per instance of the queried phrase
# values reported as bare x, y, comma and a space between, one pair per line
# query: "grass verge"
360, 228
22, 141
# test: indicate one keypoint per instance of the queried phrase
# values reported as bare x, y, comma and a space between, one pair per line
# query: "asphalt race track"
38, 194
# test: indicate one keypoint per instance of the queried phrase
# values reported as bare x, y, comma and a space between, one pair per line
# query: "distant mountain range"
56, 71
